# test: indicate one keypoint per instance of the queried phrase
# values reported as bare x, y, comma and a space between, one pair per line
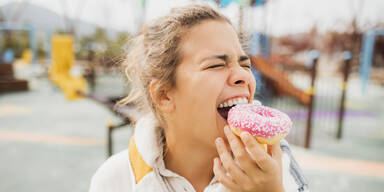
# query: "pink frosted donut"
266, 124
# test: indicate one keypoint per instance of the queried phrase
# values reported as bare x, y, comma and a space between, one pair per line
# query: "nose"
239, 77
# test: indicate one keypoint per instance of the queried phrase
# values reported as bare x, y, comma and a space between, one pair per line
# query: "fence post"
109, 140
347, 56
315, 57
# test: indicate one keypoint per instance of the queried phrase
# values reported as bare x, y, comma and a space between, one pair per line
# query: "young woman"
183, 66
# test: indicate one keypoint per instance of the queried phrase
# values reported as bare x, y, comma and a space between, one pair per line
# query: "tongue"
224, 111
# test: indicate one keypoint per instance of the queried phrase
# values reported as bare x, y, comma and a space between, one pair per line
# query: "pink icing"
259, 120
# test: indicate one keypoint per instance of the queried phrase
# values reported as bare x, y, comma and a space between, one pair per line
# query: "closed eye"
246, 65
215, 66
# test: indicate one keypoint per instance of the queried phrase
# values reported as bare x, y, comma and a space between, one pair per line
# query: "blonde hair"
155, 53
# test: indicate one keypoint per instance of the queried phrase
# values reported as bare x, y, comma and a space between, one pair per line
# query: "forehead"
210, 38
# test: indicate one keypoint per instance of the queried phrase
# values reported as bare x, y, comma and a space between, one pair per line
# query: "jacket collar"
147, 138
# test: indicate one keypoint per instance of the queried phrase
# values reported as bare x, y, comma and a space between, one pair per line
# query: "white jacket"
141, 167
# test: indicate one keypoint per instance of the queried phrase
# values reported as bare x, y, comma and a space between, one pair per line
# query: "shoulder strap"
294, 168
139, 167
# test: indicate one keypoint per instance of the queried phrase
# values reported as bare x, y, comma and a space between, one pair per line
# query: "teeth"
233, 102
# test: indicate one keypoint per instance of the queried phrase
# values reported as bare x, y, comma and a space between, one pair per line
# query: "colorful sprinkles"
258, 120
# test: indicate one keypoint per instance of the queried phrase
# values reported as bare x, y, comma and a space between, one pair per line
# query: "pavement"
50, 144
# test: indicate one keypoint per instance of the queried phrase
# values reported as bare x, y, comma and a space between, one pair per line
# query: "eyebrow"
243, 58
225, 58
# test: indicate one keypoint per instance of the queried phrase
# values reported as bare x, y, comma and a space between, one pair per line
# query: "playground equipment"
278, 80
63, 59
16, 27
27, 56
367, 50
8, 82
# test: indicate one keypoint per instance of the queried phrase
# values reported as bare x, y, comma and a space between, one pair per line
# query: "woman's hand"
256, 171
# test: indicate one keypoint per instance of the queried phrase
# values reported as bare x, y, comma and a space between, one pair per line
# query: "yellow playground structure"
62, 61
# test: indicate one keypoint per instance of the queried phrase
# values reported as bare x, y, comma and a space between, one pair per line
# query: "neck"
190, 160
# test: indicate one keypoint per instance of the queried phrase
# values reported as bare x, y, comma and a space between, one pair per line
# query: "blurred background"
320, 61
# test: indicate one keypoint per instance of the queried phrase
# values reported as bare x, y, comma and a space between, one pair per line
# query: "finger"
262, 159
240, 153
229, 164
275, 152
221, 176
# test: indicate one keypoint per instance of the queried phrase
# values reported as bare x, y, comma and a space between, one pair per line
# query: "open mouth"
224, 111
224, 107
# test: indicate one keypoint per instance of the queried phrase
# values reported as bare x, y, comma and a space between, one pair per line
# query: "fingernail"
218, 142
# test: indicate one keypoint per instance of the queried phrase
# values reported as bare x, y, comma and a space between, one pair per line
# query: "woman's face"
214, 72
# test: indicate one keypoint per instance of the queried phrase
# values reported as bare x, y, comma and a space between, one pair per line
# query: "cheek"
205, 94
200, 107
215, 123
197, 97
220, 123
253, 85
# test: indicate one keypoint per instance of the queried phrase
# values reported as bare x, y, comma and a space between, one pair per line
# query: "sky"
278, 17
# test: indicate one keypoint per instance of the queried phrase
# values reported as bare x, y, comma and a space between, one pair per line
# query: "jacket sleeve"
293, 178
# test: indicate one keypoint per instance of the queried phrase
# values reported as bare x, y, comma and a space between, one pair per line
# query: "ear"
162, 99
